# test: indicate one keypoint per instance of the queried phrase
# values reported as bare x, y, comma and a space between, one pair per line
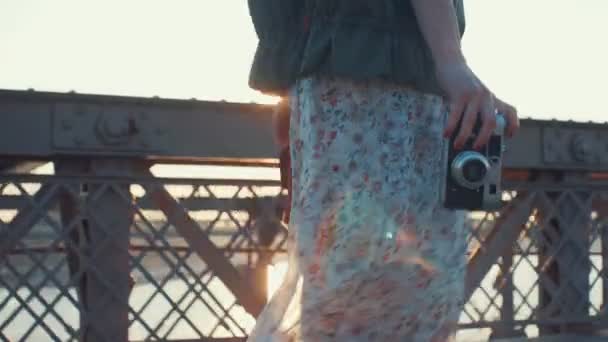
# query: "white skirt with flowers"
373, 256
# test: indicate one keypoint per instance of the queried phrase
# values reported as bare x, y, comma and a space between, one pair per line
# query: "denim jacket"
356, 39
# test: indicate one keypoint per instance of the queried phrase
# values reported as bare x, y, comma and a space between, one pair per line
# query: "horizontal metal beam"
51, 125
16, 202
37, 125
209, 339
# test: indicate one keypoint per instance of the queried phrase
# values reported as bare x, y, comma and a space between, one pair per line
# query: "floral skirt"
373, 256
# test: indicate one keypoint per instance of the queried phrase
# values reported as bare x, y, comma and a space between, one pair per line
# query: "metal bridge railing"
537, 267
104, 251
98, 257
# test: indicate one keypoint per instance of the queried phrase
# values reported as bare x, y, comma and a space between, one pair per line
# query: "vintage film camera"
472, 178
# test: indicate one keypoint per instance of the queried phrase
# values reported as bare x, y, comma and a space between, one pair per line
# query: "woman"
377, 88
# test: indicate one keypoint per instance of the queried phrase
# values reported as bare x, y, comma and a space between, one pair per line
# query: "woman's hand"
280, 121
469, 100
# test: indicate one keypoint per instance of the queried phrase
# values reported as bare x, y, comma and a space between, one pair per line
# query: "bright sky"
548, 57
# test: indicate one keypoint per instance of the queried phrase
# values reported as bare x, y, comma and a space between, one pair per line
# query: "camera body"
472, 179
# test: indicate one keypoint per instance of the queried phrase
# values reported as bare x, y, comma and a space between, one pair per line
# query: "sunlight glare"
276, 273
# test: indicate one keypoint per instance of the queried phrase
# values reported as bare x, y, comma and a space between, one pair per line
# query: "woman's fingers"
468, 122
513, 124
456, 109
471, 100
511, 116
488, 118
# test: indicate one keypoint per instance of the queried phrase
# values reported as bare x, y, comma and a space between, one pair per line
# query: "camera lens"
474, 171
469, 169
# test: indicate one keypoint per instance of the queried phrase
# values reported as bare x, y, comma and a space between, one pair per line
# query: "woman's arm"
469, 98
439, 25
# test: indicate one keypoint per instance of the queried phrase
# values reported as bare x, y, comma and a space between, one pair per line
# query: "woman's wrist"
448, 55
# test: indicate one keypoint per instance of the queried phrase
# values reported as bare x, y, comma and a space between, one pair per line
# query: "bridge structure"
106, 246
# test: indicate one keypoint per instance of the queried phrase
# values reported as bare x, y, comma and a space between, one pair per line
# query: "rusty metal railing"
92, 253
100, 257
537, 267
